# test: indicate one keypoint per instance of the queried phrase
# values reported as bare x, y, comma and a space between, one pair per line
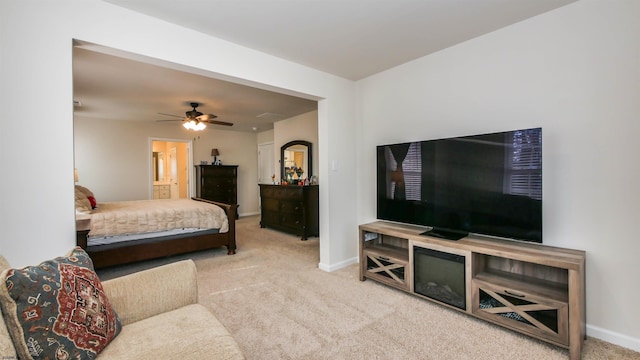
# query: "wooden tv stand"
531, 288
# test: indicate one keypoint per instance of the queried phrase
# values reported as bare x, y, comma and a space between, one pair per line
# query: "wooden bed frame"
129, 253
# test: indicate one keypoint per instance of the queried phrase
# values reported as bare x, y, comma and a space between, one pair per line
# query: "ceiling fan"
195, 120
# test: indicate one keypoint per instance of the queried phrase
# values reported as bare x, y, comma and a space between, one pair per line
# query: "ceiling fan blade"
216, 122
170, 115
206, 117
197, 116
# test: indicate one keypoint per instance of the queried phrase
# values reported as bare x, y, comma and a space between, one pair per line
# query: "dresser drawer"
164, 193
161, 192
219, 182
223, 196
267, 192
218, 171
284, 193
290, 206
270, 205
270, 218
293, 221
218, 190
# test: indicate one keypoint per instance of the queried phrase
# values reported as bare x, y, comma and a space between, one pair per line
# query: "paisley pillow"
58, 309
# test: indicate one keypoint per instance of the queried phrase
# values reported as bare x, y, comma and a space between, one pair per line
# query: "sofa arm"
151, 292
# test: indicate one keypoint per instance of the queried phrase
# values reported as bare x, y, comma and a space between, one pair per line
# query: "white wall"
575, 72
36, 74
113, 157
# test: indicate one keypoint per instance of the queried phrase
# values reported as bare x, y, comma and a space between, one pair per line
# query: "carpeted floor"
278, 305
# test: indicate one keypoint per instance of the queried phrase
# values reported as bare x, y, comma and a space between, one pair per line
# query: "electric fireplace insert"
440, 276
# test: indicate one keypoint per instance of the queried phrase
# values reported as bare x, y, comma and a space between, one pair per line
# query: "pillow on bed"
93, 202
58, 309
89, 195
84, 190
83, 204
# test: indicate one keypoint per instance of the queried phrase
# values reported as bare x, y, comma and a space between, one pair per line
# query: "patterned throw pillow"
58, 309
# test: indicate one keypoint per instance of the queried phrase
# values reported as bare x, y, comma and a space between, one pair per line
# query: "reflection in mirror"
158, 166
295, 160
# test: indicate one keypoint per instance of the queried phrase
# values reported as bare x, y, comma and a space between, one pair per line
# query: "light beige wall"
113, 157
265, 137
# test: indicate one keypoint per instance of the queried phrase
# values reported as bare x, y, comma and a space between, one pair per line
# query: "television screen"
488, 184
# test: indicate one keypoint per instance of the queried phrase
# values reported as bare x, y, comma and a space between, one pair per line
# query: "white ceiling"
349, 38
109, 87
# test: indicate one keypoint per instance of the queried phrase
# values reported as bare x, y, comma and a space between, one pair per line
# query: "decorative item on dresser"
215, 153
293, 209
217, 183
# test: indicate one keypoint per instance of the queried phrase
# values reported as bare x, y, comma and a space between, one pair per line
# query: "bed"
116, 233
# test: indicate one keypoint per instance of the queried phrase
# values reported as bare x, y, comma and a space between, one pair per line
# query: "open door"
266, 164
174, 180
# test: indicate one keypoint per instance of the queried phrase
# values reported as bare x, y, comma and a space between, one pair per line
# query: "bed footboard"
231, 211
129, 253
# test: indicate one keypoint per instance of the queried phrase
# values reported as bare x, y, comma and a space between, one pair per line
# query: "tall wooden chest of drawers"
217, 183
290, 208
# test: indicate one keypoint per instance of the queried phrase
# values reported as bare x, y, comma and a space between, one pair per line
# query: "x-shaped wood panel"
520, 310
386, 268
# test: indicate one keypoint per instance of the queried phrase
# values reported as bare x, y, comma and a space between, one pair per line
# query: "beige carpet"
279, 305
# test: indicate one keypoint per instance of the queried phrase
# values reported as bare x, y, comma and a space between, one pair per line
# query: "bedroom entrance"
170, 164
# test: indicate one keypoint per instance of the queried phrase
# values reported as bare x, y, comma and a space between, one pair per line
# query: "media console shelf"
534, 289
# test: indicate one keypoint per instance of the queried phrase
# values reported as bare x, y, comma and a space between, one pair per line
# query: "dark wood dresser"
217, 183
290, 208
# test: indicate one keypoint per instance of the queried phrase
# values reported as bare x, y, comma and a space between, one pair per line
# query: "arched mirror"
295, 161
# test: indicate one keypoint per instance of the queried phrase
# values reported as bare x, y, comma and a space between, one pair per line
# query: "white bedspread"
146, 216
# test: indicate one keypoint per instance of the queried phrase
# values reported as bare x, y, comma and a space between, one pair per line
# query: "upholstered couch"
160, 318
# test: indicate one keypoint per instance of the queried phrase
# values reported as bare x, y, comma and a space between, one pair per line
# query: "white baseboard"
248, 214
613, 337
338, 266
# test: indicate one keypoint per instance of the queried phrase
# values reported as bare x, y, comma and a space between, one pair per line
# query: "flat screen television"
488, 184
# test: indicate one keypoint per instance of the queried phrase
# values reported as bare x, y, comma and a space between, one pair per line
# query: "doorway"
266, 163
266, 166
171, 164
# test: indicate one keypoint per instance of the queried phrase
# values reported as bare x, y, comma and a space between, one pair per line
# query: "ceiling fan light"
194, 125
